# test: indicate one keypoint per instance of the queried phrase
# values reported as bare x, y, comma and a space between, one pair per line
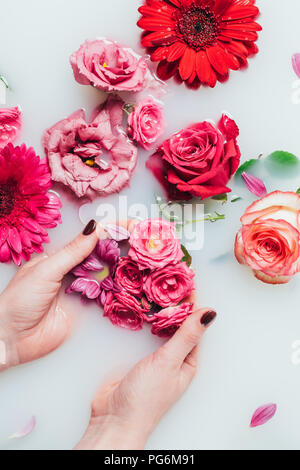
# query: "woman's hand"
32, 324
124, 414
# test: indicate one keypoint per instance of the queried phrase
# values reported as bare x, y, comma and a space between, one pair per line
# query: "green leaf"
298, 191
236, 199
283, 158
246, 166
187, 257
221, 197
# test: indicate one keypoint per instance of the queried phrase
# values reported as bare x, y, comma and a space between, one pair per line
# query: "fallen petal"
263, 414
296, 64
117, 233
255, 185
26, 430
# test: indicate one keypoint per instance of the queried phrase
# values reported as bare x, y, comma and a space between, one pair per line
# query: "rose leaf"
187, 257
283, 158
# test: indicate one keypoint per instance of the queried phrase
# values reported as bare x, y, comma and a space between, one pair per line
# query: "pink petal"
255, 185
117, 233
28, 428
263, 414
296, 64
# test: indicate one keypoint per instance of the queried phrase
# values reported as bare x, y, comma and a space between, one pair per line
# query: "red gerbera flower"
199, 41
26, 208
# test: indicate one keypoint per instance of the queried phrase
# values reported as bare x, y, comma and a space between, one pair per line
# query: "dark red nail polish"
90, 228
207, 318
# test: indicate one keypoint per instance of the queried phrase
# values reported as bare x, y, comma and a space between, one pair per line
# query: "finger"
62, 262
189, 335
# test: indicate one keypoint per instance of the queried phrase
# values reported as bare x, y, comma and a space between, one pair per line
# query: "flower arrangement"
199, 41
198, 161
152, 284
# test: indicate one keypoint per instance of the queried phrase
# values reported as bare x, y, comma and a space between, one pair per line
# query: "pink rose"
146, 123
124, 311
269, 241
198, 161
170, 285
154, 244
76, 151
10, 125
109, 66
129, 276
169, 320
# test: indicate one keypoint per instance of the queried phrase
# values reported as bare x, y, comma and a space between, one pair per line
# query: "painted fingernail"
90, 228
208, 318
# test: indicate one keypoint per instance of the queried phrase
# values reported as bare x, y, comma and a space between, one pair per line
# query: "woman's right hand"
125, 413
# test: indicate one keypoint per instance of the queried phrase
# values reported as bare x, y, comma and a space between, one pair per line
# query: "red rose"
170, 285
198, 161
129, 276
167, 321
124, 311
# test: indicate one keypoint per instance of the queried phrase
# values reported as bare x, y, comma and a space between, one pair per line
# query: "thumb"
187, 338
62, 262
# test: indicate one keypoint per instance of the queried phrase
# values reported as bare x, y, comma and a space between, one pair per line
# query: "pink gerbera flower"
26, 207
94, 277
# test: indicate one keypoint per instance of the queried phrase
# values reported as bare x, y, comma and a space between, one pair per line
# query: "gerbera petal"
166, 70
187, 63
240, 35
217, 59
176, 51
158, 38
4, 253
204, 71
237, 12
159, 54
155, 24
221, 6
14, 240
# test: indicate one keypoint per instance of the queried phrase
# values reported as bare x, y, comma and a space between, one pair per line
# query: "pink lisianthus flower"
269, 240
10, 125
27, 209
129, 276
94, 277
169, 285
146, 123
108, 66
169, 320
124, 310
76, 151
154, 244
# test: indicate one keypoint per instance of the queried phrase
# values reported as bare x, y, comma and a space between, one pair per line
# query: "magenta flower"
94, 277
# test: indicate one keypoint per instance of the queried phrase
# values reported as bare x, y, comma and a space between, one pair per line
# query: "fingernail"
208, 318
90, 228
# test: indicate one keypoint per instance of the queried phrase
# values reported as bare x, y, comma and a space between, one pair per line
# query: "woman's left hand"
32, 324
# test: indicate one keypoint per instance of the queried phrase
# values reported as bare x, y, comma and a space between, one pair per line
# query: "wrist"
110, 433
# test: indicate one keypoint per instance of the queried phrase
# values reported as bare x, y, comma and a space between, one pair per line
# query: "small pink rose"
129, 276
108, 66
170, 285
146, 123
167, 321
124, 311
154, 244
10, 125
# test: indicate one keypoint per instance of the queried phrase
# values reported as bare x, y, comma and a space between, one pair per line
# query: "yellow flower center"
102, 275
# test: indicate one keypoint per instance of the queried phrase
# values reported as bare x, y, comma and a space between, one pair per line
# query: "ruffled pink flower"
169, 320
154, 244
129, 276
76, 151
109, 66
269, 241
146, 123
170, 285
10, 125
198, 161
27, 209
94, 277
124, 311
